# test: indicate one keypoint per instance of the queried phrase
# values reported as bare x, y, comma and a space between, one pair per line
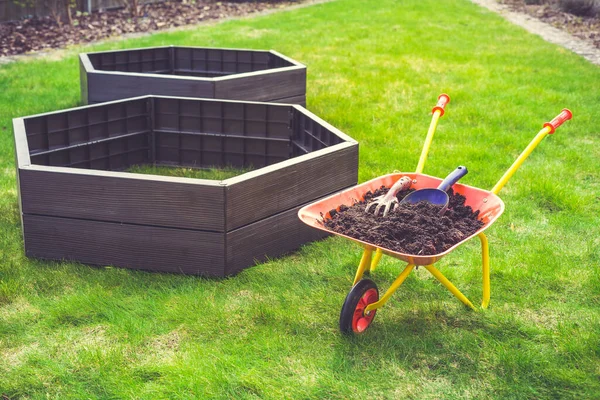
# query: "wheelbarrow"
363, 301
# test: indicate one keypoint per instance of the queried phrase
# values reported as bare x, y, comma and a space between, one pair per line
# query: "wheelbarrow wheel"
353, 319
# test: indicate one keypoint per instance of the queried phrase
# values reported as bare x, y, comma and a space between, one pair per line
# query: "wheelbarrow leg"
444, 281
395, 285
375, 262
365, 263
485, 253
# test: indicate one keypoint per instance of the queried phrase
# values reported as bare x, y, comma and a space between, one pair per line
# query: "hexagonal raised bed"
192, 72
78, 204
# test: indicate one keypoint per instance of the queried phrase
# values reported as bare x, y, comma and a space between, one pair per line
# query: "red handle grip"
443, 99
560, 119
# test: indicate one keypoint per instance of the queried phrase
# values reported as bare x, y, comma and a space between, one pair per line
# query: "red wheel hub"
360, 320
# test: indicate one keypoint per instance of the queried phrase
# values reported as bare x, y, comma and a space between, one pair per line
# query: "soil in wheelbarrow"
416, 229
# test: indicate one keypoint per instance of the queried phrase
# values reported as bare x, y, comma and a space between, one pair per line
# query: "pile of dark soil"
34, 34
416, 229
587, 27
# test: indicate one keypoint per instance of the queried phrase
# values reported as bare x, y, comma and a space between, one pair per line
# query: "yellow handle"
438, 111
513, 168
428, 139
548, 129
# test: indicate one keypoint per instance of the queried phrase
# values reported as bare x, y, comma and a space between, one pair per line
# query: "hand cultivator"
363, 301
389, 201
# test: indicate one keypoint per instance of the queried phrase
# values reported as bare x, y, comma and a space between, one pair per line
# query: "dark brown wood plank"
123, 197
270, 190
108, 85
262, 85
268, 238
300, 100
122, 245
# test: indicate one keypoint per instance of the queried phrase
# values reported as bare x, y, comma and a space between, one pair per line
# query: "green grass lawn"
197, 173
375, 69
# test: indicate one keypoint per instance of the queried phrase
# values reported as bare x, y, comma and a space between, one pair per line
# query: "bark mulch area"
416, 229
580, 27
35, 34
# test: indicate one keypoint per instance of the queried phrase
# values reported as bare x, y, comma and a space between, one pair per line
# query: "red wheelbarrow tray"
490, 207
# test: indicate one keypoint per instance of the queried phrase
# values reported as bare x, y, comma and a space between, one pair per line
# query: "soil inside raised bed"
416, 229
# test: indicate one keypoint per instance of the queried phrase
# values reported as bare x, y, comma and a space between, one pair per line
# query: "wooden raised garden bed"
78, 204
192, 72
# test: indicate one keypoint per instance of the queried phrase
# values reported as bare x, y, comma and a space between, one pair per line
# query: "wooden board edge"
220, 48
258, 73
155, 76
83, 107
22, 157
132, 49
294, 100
124, 175
286, 58
86, 63
288, 163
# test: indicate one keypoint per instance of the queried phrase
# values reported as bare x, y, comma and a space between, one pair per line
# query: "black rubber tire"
352, 302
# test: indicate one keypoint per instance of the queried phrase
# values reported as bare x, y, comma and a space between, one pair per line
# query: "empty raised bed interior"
178, 132
109, 138
200, 62
255, 75
77, 204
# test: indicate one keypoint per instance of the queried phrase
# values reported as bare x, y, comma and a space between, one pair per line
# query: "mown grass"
185, 172
375, 70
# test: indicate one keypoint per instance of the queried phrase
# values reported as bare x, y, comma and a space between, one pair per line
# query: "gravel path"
584, 48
